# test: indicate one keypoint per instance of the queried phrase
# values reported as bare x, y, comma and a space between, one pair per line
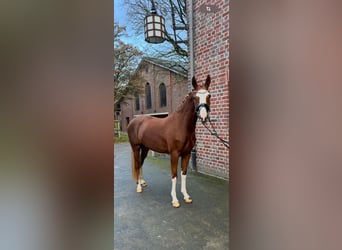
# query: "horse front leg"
185, 161
174, 165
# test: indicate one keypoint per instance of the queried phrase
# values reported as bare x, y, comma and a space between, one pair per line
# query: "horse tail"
135, 170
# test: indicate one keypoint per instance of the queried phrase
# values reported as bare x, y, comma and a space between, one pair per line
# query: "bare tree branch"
138, 9
126, 59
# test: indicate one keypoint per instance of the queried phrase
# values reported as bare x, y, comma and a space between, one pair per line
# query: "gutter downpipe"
191, 40
192, 69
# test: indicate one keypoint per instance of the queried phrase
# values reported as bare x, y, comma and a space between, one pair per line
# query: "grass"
123, 138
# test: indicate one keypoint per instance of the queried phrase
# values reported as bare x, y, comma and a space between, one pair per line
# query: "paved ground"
148, 221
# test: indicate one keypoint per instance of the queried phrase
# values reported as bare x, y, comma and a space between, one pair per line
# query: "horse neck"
187, 112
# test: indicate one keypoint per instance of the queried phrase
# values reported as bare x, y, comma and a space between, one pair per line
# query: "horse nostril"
203, 113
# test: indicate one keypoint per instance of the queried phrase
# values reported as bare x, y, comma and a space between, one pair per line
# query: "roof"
176, 67
154, 114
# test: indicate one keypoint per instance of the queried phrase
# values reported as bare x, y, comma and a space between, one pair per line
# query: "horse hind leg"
142, 181
136, 167
144, 151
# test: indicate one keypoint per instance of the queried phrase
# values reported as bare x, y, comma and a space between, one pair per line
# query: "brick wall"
211, 52
176, 90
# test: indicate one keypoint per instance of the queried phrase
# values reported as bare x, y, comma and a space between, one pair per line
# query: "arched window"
148, 96
162, 94
137, 102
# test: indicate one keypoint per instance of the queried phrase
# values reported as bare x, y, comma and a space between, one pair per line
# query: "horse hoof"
188, 200
175, 204
139, 190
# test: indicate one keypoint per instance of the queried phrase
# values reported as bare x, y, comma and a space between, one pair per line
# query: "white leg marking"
142, 181
187, 198
175, 202
139, 188
183, 187
173, 190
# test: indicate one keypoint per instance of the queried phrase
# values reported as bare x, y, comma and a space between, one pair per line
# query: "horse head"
202, 99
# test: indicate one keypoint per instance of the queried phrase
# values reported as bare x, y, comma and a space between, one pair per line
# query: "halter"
202, 105
213, 130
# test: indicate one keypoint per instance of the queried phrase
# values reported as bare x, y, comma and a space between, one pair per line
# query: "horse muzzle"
203, 112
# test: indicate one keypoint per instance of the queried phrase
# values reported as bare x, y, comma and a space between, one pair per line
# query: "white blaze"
202, 96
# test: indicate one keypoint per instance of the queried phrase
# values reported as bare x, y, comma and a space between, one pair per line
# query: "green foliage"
123, 138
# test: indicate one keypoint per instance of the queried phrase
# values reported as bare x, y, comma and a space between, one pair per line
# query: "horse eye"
209, 95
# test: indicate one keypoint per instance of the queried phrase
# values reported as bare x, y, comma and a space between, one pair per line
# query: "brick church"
165, 87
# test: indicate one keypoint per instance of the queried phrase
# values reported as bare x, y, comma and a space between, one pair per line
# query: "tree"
176, 36
126, 59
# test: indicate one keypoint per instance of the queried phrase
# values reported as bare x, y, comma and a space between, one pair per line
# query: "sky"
120, 16
138, 40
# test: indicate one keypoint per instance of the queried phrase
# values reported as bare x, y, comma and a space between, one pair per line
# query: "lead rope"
214, 133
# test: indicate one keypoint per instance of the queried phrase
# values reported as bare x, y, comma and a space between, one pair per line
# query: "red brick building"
211, 56
165, 87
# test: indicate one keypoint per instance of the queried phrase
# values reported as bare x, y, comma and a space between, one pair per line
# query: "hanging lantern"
154, 27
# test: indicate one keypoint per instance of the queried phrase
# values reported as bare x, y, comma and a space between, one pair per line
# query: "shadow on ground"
148, 221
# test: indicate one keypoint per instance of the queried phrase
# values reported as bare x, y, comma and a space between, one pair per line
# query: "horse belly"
153, 138
157, 147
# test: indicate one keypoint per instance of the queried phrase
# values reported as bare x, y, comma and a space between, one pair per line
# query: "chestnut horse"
174, 135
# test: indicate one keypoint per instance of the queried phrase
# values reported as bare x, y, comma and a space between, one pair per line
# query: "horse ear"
194, 82
207, 82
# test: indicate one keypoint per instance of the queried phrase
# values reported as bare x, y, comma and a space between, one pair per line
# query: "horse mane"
185, 101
